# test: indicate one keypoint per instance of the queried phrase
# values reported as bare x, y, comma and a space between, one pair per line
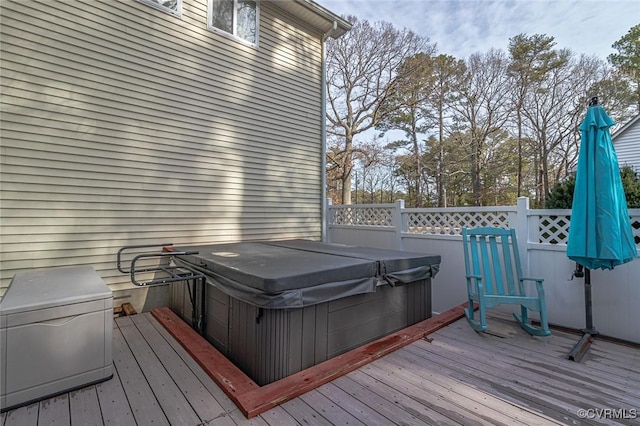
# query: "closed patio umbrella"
600, 234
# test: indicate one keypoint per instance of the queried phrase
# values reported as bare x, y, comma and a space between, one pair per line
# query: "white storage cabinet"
56, 328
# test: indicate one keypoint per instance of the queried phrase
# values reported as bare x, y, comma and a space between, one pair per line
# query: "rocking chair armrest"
479, 287
540, 280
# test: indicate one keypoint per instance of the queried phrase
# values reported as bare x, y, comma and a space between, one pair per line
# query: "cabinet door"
54, 350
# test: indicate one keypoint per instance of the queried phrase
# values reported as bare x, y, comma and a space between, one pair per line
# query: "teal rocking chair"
494, 277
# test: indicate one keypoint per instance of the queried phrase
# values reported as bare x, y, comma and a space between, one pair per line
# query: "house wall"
122, 124
627, 145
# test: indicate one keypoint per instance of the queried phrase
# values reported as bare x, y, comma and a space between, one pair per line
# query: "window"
170, 6
238, 18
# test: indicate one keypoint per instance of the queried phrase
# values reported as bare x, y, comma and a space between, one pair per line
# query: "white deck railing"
542, 237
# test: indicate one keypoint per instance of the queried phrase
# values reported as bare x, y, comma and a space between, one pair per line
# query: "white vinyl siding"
124, 125
627, 144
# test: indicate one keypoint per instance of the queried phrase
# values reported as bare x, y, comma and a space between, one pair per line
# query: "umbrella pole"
587, 302
582, 347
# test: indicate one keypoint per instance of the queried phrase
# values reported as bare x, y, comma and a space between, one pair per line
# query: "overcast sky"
463, 27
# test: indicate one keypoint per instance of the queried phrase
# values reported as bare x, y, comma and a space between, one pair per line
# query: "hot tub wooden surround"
253, 400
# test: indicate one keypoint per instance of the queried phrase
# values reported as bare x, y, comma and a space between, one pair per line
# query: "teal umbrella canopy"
600, 234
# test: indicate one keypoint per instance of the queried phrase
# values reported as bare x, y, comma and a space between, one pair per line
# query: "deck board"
172, 401
534, 377
113, 402
353, 405
218, 394
334, 412
84, 407
571, 387
604, 384
378, 398
489, 378
275, 417
23, 416
606, 360
455, 398
144, 405
457, 391
426, 400
192, 391
304, 414
54, 411
455, 377
382, 392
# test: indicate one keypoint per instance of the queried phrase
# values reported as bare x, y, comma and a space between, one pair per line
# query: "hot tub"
276, 308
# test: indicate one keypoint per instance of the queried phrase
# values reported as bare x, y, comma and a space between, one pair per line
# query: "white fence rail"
542, 237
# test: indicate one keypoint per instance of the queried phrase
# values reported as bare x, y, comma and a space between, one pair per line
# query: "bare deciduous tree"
362, 75
448, 76
408, 112
478, 131
553, 112
483, 107
532, 57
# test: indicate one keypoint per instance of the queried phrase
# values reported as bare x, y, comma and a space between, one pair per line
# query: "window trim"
177, 13
234, 36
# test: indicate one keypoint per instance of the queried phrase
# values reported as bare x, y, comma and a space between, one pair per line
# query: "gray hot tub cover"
298, 273
291, 298
393, 266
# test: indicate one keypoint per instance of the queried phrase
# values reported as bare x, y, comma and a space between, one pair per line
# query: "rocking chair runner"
494, 277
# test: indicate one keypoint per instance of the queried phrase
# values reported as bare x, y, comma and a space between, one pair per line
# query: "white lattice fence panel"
451, 223
363, 216
553, 229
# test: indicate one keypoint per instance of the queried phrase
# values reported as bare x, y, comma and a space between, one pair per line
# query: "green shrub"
631, 185
561, 195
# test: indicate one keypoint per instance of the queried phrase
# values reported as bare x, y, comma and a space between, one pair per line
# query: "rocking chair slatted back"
492, 258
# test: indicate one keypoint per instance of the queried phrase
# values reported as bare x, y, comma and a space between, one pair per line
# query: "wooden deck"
454, 377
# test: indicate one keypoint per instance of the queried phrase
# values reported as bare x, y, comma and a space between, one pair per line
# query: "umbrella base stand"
582, 347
